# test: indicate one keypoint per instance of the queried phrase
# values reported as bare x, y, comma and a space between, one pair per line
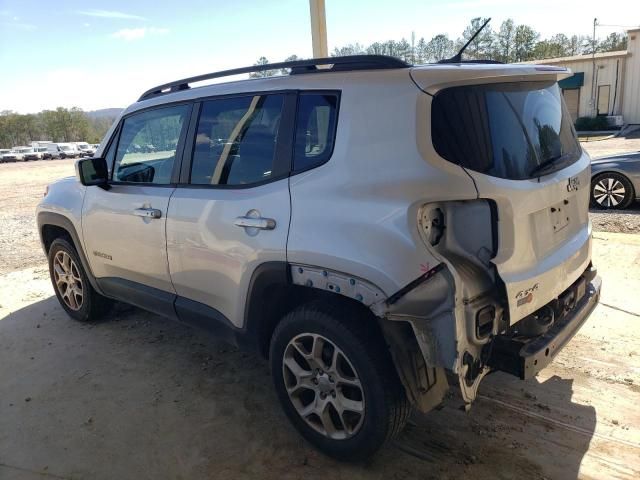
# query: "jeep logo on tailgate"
573, 184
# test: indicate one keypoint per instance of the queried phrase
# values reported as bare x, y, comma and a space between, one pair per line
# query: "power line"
622, 26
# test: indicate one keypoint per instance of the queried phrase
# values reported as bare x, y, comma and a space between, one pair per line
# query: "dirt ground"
137, 396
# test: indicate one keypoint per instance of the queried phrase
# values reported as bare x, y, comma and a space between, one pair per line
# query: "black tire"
93, 306
603, 191
354, 332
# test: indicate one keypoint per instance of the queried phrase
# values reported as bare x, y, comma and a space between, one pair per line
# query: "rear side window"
315, 129
506, 130
236, 140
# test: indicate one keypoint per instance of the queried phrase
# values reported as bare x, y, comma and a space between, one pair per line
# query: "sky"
97, 54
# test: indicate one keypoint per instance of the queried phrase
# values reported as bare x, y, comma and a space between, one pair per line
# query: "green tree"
439, 48
376, 48
524, 43
290, 58
421, 51
480, 47
614, 42
505, 41
264, 73
351, 49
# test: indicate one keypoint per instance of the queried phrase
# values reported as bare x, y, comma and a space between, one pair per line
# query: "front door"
603, 99
124, 226
233, 214
572, 101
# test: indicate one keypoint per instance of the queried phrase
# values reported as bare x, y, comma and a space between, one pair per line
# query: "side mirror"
93, 171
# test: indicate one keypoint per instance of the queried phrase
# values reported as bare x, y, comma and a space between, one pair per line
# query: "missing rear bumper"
525, 357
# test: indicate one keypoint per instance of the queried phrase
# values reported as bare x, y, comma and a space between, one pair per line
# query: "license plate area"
559, 214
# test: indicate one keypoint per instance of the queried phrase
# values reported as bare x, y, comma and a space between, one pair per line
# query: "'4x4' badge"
526, 296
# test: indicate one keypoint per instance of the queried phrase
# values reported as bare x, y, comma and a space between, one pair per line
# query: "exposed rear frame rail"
337, 64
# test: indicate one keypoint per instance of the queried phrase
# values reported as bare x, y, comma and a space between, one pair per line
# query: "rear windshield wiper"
547, 163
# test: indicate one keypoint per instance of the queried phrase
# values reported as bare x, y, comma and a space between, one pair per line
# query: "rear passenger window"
315, 129
236, 140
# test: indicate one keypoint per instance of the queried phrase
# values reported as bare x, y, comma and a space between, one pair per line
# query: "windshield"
64, 148
505, 130
25, 150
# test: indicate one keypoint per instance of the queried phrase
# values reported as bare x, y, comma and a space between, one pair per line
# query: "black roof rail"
338, 64
478, 61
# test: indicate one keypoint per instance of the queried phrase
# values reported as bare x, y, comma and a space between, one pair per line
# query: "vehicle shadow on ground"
137, 396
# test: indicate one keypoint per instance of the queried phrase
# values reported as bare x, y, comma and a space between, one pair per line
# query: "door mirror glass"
92, 171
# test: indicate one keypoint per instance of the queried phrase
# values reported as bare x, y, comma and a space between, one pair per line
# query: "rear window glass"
506, 130
315, 129
236, 140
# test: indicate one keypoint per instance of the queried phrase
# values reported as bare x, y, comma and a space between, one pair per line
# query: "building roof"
581, 58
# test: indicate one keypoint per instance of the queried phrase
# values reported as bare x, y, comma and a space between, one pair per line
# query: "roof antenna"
457, 58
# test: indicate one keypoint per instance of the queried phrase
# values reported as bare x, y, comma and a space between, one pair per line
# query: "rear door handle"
256, 222
148, 212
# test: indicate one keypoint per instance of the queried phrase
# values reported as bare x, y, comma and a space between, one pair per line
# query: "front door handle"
148, 212
256, 222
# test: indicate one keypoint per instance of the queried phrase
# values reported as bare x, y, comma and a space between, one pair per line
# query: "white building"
605, 83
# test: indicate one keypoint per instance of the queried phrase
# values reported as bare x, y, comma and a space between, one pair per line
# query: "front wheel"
611, 191
335, 379
71, 284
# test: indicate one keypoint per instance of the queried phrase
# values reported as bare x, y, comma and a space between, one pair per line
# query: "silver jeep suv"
380, 232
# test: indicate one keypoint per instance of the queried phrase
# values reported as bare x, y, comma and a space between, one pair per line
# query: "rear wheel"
71, 284
336, 381
611, 191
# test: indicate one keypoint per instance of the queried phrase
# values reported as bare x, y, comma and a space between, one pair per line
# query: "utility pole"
318, 29
593, 71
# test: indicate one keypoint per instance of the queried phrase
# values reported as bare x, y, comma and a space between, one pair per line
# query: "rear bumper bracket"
524, 358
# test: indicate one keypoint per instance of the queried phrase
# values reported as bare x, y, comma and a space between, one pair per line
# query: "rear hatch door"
509, 128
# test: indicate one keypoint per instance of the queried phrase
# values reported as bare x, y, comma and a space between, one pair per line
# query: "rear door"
572, 100
517, 142
124, 226
230, 214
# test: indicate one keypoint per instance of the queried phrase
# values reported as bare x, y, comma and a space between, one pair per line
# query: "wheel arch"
273, 292
53, 225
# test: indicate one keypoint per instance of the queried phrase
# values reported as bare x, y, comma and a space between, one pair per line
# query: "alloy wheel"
323, 386
609, 192
68, 280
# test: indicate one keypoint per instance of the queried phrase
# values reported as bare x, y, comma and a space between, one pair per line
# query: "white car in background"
83, 149
16, 154
3, 151
68, 150
86, 150
48, 149
36, 153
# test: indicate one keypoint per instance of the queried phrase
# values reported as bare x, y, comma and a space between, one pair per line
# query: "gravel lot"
137, 396
22, 185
